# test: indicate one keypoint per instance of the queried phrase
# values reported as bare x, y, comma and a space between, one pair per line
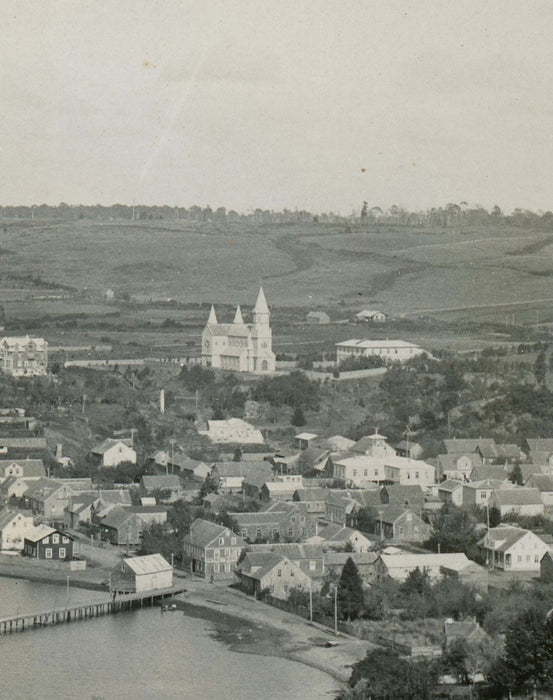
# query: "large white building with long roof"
388, 350
239, 346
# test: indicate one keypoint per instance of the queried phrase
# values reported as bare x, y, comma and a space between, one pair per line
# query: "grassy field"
474, 275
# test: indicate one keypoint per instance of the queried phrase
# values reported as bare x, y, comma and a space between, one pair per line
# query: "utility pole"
85, 397
67, 594
172, 456
336, 610
310, 602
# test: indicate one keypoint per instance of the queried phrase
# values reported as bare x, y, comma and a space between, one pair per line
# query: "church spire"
261, 303
238, 316
212, 320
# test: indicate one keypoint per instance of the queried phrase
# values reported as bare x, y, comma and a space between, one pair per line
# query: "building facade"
239, 346
23, 356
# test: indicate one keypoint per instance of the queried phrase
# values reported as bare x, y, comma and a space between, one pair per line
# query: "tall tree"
350, 591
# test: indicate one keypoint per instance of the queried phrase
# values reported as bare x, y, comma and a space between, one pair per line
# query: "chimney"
162, 401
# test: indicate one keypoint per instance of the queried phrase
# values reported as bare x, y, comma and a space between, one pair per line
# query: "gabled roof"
31, 467
339, 533
540, 444
392, 513
7, 515
508, 451
305, 436
259, 518
116, 517
407, 445
42, 489
399, 493
502, 538
359, 558
161, 481
291, 550
488, 471
280, 486
449, 485
103, 447
460, 445
39, 532
148, 564
540, 458
340, 443
245, 469
448, 461
203, 532
454, 560
517, 497
312, 493
542, 482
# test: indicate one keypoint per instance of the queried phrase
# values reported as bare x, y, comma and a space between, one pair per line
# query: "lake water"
140, 654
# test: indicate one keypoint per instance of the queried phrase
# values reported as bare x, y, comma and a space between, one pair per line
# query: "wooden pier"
86, 611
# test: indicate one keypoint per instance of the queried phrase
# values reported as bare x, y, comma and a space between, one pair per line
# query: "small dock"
86, 611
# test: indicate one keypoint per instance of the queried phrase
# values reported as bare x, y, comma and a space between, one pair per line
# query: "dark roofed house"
214, 549
342, 505
396, 523
121, 527
546, 567
48, 497
271, 572
403, 495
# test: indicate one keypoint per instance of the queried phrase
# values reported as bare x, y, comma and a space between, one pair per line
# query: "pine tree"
350, 591
298, 419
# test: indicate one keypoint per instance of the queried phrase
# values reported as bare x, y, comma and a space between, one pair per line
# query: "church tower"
263, 357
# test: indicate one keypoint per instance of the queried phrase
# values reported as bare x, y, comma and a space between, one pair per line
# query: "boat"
169, 608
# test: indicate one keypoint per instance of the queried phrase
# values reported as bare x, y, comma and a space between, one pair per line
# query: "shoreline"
245, 625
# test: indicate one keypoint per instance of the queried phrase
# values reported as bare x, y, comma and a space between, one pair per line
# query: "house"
18, 447
119, 526
371, 316
48, 498
150, 572
313, 498
14, 525
304, 440
461, 445
80, 509
213, 549
310, 558
313, 462
339, 537
478, 493
239, 346
399, 566
232, 431
388, 350
512, 548
542, 445
168, 483
217, 502
252, 484
546, 567
275, 525
517, 501
13, 487
488, 471
402, 495
318, 318
43, 542
411, 450
469, 631
364, 561
230, 475
261, 572
457, 466
113, 452
151, 515
25, 468
342, 506
23, 356
338, 444
451, 491
543, 461
400, 524
192, 469
374, 445
282, 490
544, 484
471, 574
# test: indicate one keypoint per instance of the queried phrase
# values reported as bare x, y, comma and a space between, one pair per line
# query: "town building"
234, 431
399, 524
399, 566
313, 498
512, 548
23, 356
150, 572
43, 542
310, 558
451, 492
48, 498
319, 318
239, 346
213, 549
14, 525
517, 501
457, 466
230, 476
340, 537
371, 316
159, 483
113, 452
278, 524
261, 572
119, 526
24, 468
387, 350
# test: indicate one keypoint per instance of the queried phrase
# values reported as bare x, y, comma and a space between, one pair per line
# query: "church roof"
212, 317
261, 303
238, 316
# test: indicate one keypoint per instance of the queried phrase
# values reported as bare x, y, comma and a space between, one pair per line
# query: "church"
239, 346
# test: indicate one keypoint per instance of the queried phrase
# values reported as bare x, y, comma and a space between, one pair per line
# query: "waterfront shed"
146, 573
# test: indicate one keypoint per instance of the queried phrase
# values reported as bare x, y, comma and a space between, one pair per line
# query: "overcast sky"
273, 104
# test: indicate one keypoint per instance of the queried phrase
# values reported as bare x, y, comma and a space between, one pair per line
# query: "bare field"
449, 274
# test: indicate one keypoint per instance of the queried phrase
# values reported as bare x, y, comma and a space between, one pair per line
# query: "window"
291, 572
482, 494
221, 540
536, 558
312, 565
233, 540
227, 566
48, 553
62, 553
216, 568
46, 540
65, 540
279, 572
290, 532
55, 539
244, 532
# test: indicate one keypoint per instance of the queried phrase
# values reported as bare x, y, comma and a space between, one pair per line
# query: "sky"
305, 104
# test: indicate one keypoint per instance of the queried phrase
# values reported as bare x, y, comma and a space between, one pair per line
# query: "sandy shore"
252, 627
